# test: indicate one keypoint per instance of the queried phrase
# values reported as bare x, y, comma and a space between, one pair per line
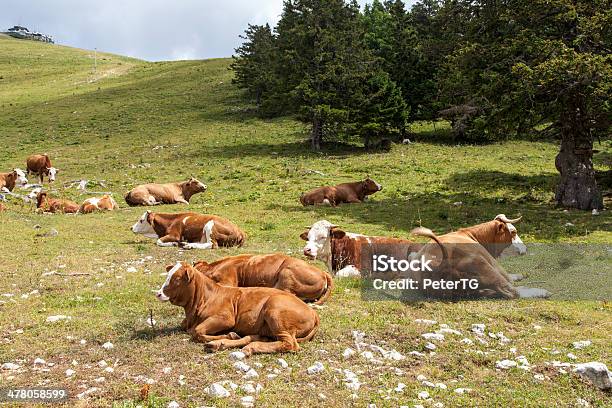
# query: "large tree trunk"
577, 187
316, 132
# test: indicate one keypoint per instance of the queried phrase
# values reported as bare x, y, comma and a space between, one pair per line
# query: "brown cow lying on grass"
189, 230
279, 271
41, 165
8, 181
260, 320
470, 253
104, 203
170, 193
342, 193
44, 203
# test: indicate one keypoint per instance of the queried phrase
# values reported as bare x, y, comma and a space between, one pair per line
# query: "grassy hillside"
132, 122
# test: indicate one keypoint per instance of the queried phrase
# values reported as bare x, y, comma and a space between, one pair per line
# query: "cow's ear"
304, 235
188, 273
336, 233
501, 227
199, 265
168, 267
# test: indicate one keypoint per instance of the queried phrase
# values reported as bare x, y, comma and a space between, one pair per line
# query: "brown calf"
260, 320
272, 271
40, 164
189, 230
8, 181
342, 193
170, 193
55, 205
104, 203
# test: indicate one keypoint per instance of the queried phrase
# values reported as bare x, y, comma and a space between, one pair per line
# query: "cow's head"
195, 186
506, 234
319, 238
20, 177
40, 198
144, 225
370, 186
178, 287
34, 193
52, 171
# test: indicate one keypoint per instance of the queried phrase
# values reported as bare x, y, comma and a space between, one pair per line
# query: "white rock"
597, 373
423, 395
430, 346
10, 366
173, 404
429, 384
400, 387
237, 355
594, 212
478, 328
582, 402
433, 336
70, 372
247, 401
249, 388
227, 383
87, 392
425, 321
39, 361
505, 364
283, 363
102, 364
251, 374
322, 397
438, 405
100, 379
109, 370
131, 269
57, 318
416, 354
83, 342
348, 353
368, 355
581, 344
216, 390
539, 377
108, 346
446, 330
239, 365
317, 368
421, 377
167, 370
441, 386
467, 341
571, 356
462, 390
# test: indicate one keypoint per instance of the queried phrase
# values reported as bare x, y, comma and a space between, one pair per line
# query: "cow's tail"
426, 232
314, 330
329, 287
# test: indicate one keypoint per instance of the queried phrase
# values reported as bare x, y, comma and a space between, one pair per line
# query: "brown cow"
347, 254
342, 193
104, 203
2, 207
269, 320
170, 193
279, 271
189, 230
8, 181
54, 205
41, 164
470, 253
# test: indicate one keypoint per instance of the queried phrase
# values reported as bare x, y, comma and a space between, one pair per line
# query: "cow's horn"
503, 218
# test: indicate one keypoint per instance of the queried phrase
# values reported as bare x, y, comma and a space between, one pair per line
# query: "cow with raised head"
279, 271
349, 254
169, 193
189, 230
44, 203
342, 193
470, 253
260, 320
40, 164
8, 181
104, 203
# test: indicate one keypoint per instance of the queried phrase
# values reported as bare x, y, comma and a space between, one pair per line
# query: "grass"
132, 122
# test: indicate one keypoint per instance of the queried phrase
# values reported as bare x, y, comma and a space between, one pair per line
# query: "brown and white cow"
169, 193
45, 203
279, 271
260, 320
8, 181
189, 230
348, 254
470, 253
40, 164
342, 193
104, 203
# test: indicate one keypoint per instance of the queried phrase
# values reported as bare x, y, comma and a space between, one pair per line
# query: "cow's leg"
206, 241
222, 344
206, 331
286, 342
168, 241
182, 201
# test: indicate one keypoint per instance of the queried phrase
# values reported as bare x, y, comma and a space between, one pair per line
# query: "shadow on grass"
150, 333
468, 199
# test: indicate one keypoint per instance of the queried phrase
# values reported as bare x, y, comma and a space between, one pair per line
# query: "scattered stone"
425, 321
237, 355
348, 353
400, 387
39, 361
539, 377
248, 401
317, 368
351, 381
430, 346
423, 395
87, 392
173, 404
70, 372
283, 363
581, 344
108, 346
57, 318
505, 364
597, 373
239, 365
167, 370
433, 336
251, 374
478, 328
462, 390
10, 366
571, 356
216, 390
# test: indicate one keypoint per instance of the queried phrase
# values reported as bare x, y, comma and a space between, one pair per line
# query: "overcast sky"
153, 30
